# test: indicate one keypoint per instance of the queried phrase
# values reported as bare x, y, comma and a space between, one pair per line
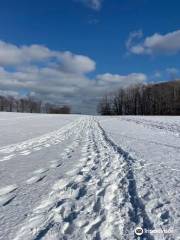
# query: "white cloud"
155, 44
60, 79
56, 86
12, 55
9, 93
124, 80
93, 4
76, 63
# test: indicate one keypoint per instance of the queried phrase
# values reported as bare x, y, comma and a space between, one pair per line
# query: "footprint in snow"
5, 194
37, 148
25, 153
35, 179
55, 164
7, 157
41, 170
5, 200
7, 189
93, 226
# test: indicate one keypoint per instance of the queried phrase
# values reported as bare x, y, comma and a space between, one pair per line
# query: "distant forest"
152, 99
30, 105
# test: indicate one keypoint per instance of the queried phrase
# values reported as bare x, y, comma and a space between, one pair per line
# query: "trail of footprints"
96, 200
7, 193
36, 144
156, 201
86, 203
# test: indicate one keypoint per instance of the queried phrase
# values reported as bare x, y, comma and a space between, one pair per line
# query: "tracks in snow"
96, 200
36, 144
7, 194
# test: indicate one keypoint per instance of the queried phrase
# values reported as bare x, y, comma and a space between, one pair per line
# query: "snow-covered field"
70, 177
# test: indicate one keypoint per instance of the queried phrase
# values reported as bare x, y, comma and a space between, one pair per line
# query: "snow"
82, 177
17, 127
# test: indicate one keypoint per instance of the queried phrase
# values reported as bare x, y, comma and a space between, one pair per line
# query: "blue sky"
86, 47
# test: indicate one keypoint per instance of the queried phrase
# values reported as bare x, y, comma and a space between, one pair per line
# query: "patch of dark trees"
151, 99
30, 105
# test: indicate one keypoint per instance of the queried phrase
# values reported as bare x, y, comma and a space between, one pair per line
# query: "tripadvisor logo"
138, 231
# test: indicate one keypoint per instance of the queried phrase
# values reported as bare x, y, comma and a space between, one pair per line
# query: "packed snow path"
99, 195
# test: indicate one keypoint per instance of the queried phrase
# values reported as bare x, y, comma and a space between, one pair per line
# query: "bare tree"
30, 105
105, 106
151, 99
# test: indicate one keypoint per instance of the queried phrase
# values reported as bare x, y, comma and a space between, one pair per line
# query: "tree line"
151, 99
30, 105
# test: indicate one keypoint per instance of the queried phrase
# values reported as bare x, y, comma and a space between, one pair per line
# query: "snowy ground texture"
76, 177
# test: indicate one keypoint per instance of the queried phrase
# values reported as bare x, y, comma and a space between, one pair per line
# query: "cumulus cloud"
12, 55
132, 78
76, 63
61, 79
93, 4
156, 44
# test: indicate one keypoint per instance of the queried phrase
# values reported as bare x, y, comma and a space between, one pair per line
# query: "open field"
81, 177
